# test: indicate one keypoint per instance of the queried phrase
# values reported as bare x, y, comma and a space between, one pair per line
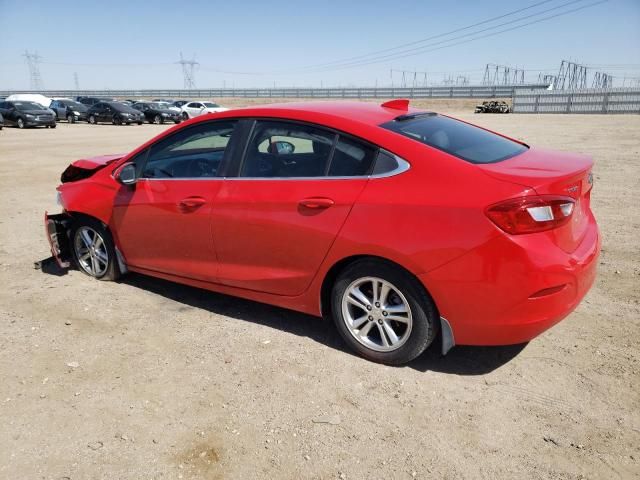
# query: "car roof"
369, 113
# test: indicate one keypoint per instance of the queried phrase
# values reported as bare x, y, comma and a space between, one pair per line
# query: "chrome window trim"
402, 167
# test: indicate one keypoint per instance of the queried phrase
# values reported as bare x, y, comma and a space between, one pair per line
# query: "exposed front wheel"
383, 312
93, 250
71, 119
185, 116
21, 123
92, 120
157, 120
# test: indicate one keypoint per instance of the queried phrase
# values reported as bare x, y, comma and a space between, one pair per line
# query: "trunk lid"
553, 173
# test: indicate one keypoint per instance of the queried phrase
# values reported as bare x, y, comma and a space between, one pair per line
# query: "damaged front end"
57, 228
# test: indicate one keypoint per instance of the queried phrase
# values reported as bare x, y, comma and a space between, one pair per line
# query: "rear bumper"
57, 232
510, 291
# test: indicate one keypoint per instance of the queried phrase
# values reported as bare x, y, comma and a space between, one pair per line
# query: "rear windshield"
465, 141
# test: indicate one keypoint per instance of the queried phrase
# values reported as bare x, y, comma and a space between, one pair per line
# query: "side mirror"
126, 174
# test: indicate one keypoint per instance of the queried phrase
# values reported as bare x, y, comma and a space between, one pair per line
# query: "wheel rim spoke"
357, 323
377, 314
359, 299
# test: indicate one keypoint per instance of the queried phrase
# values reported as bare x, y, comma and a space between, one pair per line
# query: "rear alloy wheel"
383, 312
93, 250
21, 123
157, 120
92, 120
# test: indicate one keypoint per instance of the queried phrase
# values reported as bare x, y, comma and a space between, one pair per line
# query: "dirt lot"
145, 379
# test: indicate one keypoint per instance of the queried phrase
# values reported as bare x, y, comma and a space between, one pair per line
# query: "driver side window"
195, 152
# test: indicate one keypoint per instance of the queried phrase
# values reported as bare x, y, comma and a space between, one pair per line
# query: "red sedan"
398, 223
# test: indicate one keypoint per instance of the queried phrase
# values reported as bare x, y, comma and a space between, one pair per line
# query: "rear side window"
286, 150
470, 143
351, 159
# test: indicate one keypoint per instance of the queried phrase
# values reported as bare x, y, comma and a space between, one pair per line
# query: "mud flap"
57, 230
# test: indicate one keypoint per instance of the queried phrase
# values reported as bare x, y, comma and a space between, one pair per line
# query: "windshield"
72, 104
121, 107
465, 141
211, 105
28, 106
160, 105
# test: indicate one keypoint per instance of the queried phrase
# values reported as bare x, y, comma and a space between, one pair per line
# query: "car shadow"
50, 266
461, 360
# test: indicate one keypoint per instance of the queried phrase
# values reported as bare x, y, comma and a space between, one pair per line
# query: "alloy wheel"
91, 251
377, 314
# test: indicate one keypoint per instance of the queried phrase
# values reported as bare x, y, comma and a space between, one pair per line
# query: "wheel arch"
444, 337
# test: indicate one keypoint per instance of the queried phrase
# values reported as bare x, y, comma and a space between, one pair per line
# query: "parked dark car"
155, 112
70, 110
114, 112
1, 121
27, 114
93, 100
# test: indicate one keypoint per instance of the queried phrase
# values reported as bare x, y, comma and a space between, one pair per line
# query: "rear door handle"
191, 203
316, 203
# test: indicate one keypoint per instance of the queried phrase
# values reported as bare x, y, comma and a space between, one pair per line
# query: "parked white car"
30, 97
195, 109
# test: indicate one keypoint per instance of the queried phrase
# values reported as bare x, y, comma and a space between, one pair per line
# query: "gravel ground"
149, 379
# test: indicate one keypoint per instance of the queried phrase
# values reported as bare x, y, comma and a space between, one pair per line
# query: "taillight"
531, 213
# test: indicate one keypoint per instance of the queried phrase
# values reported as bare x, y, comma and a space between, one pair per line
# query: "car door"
163, 223
4, 111
276, 220
106, 112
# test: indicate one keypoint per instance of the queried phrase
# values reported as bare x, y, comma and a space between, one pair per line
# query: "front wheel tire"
383, 312
21, 123
93, 250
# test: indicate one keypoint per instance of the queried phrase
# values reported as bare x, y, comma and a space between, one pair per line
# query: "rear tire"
93, 249
395, 329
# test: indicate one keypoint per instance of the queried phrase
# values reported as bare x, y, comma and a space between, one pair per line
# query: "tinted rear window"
465, 141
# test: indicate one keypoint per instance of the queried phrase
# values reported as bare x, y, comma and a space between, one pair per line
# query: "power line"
425, 49
377, 52
491, 34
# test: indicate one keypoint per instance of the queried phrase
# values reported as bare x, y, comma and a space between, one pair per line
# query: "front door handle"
316, 203
191, 203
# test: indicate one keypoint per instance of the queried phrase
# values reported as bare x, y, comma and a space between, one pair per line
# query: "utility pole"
602, 80
76, 82
502, 75
188, 67
33, 61
571, 76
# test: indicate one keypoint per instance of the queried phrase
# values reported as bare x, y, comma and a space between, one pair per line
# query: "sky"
135, 44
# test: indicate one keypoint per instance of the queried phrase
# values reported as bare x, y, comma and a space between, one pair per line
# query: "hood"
37, 112
85, 167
